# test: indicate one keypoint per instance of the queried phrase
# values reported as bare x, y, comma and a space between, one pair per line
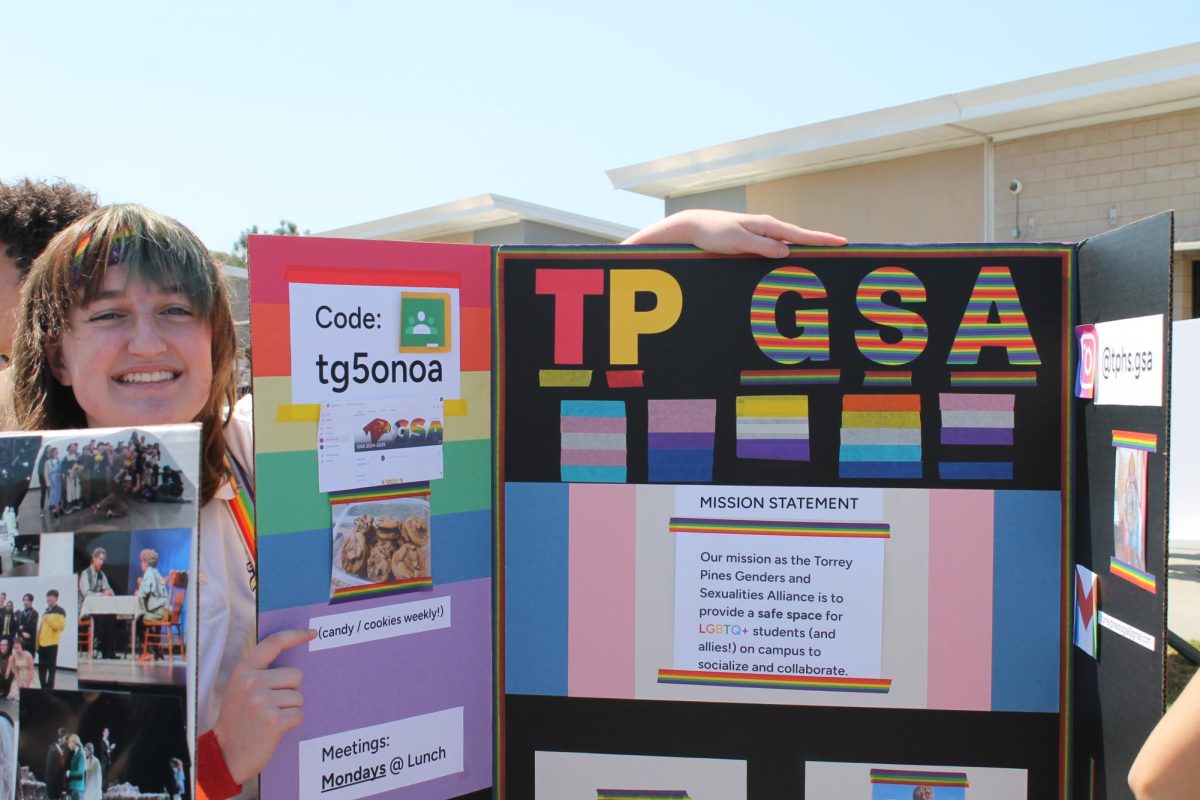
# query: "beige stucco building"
1091, 148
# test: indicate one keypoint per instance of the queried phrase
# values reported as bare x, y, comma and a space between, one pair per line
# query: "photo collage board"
98, 564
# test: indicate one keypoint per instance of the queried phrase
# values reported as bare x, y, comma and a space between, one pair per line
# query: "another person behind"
152, 593
56, 766
93, 774
8, 623
75, 767
54, 622
31, 214
27, 623
1168, 766
6, 676
93, 581
177, 779
20, 666
125, 321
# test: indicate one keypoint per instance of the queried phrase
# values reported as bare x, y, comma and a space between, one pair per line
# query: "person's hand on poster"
261, 704
729, 233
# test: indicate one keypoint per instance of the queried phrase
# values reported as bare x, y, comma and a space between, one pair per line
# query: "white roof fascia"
1138, 86
477, 213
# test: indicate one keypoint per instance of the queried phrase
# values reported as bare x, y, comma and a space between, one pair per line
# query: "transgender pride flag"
593, 441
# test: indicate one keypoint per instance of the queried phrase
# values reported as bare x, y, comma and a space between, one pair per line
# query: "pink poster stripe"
593, 424
960, 599
976, 402
601, 590
593, 458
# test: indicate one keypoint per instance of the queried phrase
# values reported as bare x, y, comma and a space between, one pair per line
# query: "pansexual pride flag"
773, 427
680, 440
593, 441
881, 436
977, 436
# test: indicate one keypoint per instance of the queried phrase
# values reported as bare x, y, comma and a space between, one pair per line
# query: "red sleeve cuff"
213, 781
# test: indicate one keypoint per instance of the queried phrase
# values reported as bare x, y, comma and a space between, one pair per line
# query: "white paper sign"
1130, 367
813, 503
378, 443
779, 604
364, 342
383, 622
382, 758
1125, 630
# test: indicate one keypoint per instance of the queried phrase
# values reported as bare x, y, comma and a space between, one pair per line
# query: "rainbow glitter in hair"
120, 242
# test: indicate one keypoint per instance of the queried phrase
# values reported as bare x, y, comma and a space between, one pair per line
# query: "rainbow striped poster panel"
603, 776
343, 563
825, 779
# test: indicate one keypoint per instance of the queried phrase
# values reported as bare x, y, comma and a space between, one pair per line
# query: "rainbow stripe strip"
914, 332
391, 492
754, 680
1140, 579
1022, 379
791, 377
759, 527
911, 777
1137, 441
813, 343
379, 589
887, 379
642, 794
994, 288
242, 507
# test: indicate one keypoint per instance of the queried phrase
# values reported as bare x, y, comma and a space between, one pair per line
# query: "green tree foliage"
238, 257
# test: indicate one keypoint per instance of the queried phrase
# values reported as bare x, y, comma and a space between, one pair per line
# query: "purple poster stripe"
778, 449
445, 666
705, 412
681, 441
977, 436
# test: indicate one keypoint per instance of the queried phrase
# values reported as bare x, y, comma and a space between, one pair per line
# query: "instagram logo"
1085, 381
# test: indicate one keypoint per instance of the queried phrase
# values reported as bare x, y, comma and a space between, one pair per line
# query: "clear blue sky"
227, 114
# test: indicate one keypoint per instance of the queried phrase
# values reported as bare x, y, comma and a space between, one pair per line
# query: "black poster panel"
1123, 274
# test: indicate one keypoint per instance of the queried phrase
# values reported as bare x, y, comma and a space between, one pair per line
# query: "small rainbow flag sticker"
1140, 579
374, 493
912, 777
759, 527
791, 377
754, 680
1137, 441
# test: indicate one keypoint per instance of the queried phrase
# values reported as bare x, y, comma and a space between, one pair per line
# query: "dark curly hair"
32, 212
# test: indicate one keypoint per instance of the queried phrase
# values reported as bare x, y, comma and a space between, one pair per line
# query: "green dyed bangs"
152, 247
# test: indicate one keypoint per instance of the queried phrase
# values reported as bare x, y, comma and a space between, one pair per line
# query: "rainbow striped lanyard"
242, 507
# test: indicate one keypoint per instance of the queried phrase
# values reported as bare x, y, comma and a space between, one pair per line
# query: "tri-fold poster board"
610, 523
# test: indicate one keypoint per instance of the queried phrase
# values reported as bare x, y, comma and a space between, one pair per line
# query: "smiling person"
125, 321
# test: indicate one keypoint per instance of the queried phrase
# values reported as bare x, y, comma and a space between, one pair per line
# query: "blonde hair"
150, 556
70, 273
